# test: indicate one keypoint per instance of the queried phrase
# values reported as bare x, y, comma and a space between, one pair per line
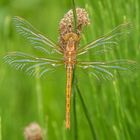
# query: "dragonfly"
67, 56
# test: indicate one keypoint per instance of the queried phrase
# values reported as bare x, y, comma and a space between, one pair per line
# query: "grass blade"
0, 129
86, 114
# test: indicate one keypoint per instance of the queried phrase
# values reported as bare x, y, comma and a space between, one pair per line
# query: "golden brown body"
69, 60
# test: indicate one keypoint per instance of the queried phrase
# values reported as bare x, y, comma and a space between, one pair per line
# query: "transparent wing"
108, 41
30, 64
38, 41
105, 70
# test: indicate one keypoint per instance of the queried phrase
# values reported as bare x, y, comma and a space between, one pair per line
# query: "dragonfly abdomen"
69, 73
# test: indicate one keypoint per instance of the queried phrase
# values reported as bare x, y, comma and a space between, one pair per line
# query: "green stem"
39, 97
74, 16
0, 129
86, 113
74, 108
40, 101
76, 88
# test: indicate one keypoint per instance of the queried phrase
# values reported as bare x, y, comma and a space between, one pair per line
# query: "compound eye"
76, 37
66, 37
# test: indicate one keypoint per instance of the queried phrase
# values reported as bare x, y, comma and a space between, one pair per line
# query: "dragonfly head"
71, 36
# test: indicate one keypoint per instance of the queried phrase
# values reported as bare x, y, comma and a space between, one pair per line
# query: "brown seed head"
33, 132
67, 23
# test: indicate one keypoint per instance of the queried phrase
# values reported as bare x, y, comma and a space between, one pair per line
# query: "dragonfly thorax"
72, 40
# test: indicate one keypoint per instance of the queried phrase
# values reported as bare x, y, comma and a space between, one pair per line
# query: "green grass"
0, 129
113, 106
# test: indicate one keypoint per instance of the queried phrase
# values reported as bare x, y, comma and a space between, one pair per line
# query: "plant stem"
39, 97
74, 15
86, 113
76, 88
0, 129
73, 80
74, 107
40, 102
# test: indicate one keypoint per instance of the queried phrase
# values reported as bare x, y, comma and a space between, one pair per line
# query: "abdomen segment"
69, 73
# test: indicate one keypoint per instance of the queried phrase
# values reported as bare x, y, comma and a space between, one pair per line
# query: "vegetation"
112, 105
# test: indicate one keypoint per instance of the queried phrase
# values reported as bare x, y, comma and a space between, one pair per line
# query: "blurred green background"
114, 106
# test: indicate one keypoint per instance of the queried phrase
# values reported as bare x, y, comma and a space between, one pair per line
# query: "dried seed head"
33, 132
67, 23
